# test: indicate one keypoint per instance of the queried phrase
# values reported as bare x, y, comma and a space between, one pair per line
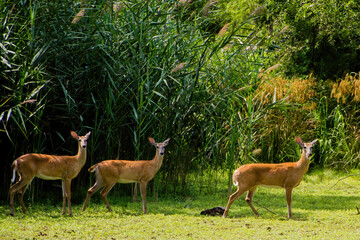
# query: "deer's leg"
64, 195
104, 192
90, 192
288, 200
12, 193
20, 197
67, 196
143, 194
232, 198
15, 189
248, 199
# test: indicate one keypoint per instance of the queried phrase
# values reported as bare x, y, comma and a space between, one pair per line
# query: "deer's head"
81, 139
160, 147
307, 147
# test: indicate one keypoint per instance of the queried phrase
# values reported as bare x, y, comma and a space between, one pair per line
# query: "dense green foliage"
309, 36
157, 69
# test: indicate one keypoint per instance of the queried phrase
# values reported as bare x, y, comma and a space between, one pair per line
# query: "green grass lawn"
321, 211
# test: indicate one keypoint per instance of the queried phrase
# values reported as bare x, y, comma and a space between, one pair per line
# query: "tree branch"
266, 208
343, 179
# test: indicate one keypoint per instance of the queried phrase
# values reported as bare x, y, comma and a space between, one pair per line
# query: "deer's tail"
14, 170
92, 168
235, 177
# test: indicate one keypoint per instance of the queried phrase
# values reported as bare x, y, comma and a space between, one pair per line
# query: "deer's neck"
303, 163
158, 159
81, 156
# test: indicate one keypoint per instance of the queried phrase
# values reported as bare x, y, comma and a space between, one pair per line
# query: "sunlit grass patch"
323, 208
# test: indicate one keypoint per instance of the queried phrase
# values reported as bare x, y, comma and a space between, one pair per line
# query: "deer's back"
45, 166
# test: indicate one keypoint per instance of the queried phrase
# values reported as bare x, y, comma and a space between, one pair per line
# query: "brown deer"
286, 175
110, 172
48, 167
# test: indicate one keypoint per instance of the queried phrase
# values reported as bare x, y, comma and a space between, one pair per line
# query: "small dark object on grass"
214, 211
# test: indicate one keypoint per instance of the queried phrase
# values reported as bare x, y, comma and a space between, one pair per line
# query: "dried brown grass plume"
347, 89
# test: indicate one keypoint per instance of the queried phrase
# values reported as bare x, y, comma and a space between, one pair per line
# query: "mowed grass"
323, 208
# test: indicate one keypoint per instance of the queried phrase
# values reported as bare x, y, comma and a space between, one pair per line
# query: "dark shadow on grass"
324, 202
275, 204
264, 202
269, 205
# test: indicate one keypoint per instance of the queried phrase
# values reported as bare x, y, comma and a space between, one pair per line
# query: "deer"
48, 167
287, 175
110, 172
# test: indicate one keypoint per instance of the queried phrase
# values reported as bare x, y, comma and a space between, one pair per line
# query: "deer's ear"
166, 142
88, 134
299, 141
74, 134
313, 142
152, 141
